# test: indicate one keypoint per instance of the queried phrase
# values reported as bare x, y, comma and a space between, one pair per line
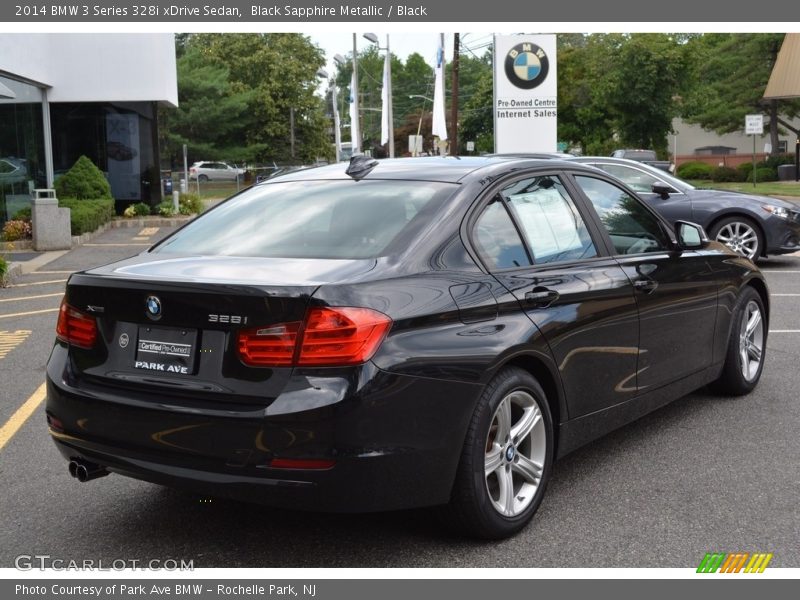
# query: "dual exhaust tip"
85, 471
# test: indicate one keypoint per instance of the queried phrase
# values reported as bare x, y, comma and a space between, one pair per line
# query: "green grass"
769, 188
216, 190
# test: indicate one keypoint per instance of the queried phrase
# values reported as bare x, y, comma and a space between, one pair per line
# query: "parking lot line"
784, 330
11, 339
784, 295
31, 297
22, 414
19, 285
116, 244
777, 271
53, 272
32, 312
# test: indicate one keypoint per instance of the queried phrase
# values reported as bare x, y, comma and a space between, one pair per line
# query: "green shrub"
87, 215
765, 174
17, 230
83, 181
719, 174
744, 170
3, 269
140, 209
190, 204
165, 209
23, 214
694, 170
775, 160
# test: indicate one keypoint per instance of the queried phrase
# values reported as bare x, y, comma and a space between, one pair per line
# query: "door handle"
541, 297
645, 285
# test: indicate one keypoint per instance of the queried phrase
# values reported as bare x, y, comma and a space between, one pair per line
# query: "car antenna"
360, 166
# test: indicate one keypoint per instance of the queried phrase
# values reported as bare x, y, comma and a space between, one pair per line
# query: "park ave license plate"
166, 350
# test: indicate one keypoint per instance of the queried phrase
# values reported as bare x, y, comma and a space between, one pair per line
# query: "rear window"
314, 219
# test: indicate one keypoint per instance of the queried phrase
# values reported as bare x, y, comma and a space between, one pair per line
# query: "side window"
633, 228
497, 239
551, 223
637, 180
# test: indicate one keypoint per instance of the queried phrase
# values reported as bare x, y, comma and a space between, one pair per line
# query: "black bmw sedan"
397, 334
752, 225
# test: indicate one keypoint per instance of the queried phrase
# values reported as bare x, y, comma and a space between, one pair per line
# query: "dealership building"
67, 95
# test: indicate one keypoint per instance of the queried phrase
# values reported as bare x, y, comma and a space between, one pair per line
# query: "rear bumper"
396, 440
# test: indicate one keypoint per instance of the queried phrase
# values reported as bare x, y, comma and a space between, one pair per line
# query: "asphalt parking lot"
705, 474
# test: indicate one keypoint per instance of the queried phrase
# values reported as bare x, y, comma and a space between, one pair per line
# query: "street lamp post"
389, 117
355, 130
337, 135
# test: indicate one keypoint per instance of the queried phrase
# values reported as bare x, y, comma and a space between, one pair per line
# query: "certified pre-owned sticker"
165, 348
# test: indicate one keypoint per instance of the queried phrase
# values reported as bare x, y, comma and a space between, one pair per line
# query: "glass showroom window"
21, 146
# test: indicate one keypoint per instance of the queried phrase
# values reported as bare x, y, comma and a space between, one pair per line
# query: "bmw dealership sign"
525, 93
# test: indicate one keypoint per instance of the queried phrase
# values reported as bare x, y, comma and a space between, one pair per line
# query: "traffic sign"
754, 124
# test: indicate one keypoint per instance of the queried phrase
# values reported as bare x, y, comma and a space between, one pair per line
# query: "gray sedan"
754, 226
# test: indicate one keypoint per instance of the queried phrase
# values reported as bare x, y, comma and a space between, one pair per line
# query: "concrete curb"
15, 269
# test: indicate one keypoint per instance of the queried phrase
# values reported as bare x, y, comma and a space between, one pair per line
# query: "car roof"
452, 169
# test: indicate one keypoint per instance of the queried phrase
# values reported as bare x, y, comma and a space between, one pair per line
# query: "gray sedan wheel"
740, 235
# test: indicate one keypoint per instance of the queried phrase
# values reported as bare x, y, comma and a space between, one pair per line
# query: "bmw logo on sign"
153, 305
526, 65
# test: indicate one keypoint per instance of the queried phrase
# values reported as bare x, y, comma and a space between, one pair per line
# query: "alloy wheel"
751, 341
516, 449
739, 237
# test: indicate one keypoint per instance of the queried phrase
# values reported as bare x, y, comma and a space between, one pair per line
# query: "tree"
212, 118
730, 73
619, 87
251, 84
640, 90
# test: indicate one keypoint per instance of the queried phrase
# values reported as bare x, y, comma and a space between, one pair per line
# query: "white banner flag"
439, 123
354, 135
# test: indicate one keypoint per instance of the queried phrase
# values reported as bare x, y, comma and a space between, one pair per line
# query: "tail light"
329, 336
269, 346
75, 327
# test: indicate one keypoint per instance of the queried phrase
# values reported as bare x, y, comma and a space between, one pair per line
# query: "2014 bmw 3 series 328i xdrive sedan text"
394, 334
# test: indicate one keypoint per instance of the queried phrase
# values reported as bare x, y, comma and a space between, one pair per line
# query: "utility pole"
291, 126
454, 100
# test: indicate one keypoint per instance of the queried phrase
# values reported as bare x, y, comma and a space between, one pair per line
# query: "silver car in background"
205, 170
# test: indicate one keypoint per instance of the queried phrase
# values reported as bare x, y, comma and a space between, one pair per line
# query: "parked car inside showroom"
752, 225
394, 334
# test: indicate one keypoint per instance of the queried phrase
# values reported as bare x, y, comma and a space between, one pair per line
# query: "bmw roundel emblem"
526, 65
153, 305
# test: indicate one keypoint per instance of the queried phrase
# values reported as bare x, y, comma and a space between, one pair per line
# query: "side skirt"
585, 429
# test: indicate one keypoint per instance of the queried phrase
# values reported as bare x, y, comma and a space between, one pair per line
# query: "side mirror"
662, 189
690, 236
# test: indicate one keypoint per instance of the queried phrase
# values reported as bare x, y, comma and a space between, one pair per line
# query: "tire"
203, 178
747, 345
482, 504
741, 235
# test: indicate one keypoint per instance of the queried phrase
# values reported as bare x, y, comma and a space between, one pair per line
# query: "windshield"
313, 219
639, 176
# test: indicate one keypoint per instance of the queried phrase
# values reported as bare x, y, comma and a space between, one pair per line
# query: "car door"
677, 206
676, 291
580, 299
